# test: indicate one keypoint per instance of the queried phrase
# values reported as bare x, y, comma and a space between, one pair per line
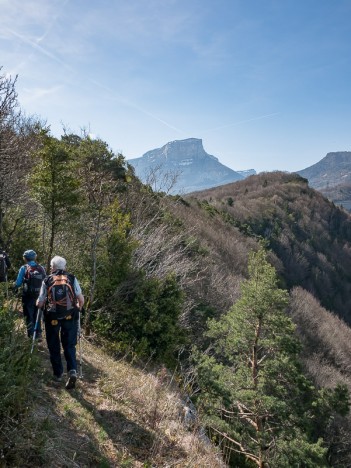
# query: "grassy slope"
118, 416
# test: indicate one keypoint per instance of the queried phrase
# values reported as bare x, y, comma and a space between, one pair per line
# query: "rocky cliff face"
188, 161
180, 151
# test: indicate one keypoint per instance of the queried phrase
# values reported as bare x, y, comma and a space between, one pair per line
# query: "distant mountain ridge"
187, 167
194, 167
332, 177
334, 169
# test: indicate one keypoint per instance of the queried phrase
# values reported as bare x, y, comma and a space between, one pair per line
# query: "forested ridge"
236, 299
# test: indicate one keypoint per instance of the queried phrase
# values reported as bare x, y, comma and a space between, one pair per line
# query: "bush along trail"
118, 415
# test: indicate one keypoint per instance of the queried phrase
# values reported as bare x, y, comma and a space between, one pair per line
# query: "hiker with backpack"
63, 299
30, 276
5, 264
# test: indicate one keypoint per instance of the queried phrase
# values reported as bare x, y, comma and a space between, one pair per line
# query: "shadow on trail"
83, 441
125, 434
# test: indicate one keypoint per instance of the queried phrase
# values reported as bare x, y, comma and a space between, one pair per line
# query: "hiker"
5, 264
31, 276
63, 299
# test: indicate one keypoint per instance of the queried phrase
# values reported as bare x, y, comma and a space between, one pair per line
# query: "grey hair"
58, 262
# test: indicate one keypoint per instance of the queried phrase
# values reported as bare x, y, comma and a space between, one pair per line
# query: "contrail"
41, 49
134, 106
35, 44
241, 122
51, 24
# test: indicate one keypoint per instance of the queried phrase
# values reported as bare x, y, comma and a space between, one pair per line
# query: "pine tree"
252, 387
55, 186
102, 176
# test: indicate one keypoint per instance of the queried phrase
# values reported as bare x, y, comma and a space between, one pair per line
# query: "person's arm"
80, 299
42, 295
20, 276
79, 295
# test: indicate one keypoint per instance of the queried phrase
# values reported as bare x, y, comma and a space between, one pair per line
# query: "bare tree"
18, 137
161, 180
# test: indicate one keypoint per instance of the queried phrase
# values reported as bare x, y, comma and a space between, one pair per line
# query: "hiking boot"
58, 378
72, 377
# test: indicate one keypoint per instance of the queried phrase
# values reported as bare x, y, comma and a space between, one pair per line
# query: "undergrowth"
16, 369
119, 415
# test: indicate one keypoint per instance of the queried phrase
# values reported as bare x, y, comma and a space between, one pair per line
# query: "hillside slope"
332, 177
326, 357
334, 169
309, 237
118, 416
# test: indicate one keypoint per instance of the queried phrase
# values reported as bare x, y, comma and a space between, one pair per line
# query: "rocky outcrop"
187, 162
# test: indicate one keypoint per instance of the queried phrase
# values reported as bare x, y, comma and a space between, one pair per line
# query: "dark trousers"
30, 312
68, 329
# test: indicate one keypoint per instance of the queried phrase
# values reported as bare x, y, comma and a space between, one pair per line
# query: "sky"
264, 83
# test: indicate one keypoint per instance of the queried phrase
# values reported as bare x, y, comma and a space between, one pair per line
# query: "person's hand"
14, 288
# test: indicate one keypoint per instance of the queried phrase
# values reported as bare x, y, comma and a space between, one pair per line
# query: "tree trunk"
51, 244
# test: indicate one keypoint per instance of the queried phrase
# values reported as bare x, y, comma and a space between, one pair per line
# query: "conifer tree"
252, 387
55, 187
102, 177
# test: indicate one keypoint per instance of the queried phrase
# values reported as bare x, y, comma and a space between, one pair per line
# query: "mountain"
334, 169
247, 172
332, 177
188, 163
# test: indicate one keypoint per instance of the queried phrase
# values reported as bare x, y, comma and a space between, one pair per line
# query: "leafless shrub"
161, 180
18, 138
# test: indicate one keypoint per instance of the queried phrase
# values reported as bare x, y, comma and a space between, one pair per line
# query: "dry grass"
118, 416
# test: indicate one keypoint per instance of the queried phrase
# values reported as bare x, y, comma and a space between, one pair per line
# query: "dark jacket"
6, 257
4, 265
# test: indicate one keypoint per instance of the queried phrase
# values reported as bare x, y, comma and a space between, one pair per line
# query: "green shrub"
16, 366
144, 317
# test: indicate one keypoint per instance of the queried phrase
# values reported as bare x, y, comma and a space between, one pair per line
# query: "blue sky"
265, 84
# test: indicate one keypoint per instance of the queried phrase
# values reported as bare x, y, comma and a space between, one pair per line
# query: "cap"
29, 255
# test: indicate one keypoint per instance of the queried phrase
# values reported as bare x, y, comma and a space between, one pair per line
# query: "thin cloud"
52, 23
50, 55
37, 93
38, 47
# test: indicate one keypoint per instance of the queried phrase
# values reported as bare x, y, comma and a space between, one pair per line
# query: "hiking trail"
118, 416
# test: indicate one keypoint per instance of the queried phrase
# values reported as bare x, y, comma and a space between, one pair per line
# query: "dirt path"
118, 416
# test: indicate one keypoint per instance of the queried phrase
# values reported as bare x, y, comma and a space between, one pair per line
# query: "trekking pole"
36, 329
7, 288
80, 347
